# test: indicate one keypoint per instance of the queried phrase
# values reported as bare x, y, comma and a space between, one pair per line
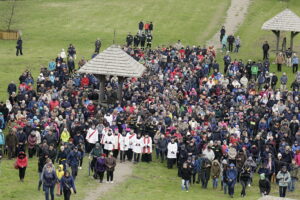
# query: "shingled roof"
284, 21
113, 61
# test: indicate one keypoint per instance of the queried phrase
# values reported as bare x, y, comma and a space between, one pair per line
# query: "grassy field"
154, 181
50, 25
12, 189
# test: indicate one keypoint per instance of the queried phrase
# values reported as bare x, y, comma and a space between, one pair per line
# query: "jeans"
292, 184
74, 170
282, 191
49, 189
231, 188
157, 152
185, 184
215, 182
225, 187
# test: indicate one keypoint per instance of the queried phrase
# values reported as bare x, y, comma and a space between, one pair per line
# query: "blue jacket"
232, 174
67, 183
74, 158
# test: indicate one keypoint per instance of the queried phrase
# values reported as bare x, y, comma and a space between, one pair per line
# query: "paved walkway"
235, 17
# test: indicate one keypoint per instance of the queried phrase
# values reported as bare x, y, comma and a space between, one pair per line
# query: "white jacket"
131, 140
138, 145
92, 136
124, 142
172, 150
109, 142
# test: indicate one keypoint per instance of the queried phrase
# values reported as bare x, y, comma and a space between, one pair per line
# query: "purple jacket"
100, 165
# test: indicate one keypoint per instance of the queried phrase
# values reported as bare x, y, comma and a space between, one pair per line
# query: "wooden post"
293, 34
101, 88
120, 88
277, 33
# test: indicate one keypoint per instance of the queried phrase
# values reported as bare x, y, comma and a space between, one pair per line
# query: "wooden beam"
120, 88
277, 33
293, 34
101, 88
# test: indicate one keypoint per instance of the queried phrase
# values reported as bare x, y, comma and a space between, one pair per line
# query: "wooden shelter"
113, 62
284, 21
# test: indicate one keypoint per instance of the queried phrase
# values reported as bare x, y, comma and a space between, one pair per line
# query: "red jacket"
22, 162
85, 81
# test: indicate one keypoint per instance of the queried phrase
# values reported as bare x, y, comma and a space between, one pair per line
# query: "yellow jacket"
60, 172
65, 136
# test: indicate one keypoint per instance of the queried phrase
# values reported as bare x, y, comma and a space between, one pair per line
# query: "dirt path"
235, 17
122, 172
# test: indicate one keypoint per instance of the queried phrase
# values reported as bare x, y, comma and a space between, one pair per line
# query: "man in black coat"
266, 48
143, 40
136, 40
19, 46
97, 45
141, 26
149, 40
11, 88
222, 33
230, 40
129, 39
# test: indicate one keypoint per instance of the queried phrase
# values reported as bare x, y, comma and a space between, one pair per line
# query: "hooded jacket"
215, 169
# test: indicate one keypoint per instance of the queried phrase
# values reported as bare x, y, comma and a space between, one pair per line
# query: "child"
264, 185
215, 173
186, 176
59, 173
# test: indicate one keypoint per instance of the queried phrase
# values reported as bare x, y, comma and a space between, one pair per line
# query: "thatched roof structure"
287, 20
115, 62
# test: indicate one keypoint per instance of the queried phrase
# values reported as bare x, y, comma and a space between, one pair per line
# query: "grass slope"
154, 181
50, 25
12, 189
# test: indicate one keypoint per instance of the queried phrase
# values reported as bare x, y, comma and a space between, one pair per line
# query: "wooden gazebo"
284, 21
113, 62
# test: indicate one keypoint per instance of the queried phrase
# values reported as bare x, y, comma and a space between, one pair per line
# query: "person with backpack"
21, 164
284, 178
67, 185
49, 180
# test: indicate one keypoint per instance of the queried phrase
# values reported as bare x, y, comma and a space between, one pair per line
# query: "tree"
8, 17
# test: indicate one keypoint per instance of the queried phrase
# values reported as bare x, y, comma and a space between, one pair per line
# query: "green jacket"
254, 69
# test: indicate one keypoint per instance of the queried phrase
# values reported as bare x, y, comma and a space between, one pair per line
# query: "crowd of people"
210, 125
142, 37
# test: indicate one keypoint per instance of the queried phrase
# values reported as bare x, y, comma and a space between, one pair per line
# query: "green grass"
50, 25
253, 36
12, 189
154, 181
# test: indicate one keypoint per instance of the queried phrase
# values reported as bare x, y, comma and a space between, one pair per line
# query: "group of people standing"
143, 36
211, 125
